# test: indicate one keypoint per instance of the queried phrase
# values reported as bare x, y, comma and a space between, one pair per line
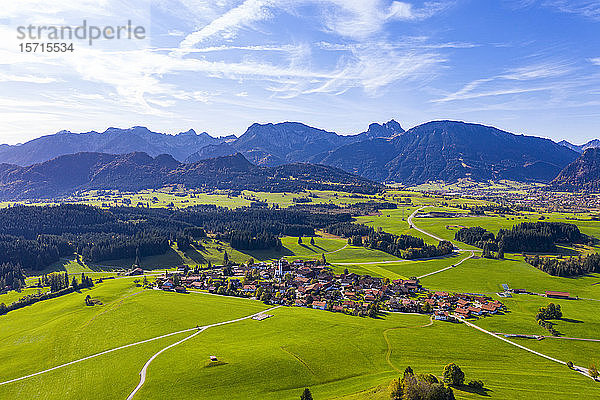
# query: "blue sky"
529, 66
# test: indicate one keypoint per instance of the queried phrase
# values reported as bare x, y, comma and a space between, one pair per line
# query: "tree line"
527, 236
569, 266
405, 246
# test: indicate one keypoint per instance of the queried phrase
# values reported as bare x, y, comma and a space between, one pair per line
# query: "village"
309, 284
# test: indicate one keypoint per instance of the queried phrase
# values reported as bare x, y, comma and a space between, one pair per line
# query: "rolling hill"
583, 174
135, 171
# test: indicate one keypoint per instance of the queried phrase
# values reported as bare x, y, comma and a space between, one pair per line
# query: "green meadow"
337, 356
272, 359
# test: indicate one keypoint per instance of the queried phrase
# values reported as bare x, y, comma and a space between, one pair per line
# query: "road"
124, 347
581, 370
412, 225
551, 337
198, 331
450, 267
431, 235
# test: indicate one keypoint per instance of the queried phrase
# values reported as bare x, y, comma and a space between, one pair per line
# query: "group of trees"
527, 236
419, 387
538, 236
428, 387
405, 246
552, 311
60, 280
569, 266
11, 275
349, 229
59, 285
246, 241
475, 236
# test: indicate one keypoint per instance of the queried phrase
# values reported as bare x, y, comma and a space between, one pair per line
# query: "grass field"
487, 276
337, 356
272, 359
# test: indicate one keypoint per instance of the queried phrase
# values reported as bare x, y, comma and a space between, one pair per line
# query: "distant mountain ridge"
437, 150
449, 150
581, 147
67, 174
583, 174
111, 141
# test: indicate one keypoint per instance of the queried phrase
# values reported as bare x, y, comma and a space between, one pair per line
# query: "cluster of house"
308, 284
463, 305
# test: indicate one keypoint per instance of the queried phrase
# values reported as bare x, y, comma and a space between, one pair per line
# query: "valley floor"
149, 344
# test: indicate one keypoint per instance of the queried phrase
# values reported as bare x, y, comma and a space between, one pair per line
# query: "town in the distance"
447, 261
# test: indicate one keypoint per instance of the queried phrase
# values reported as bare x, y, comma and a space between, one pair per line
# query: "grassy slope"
64, 329
297, 348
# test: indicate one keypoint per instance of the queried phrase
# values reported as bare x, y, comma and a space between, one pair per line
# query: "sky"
528, 66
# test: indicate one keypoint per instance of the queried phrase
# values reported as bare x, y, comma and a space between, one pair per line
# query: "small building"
441, 315
476, 310
557, 295
320, 305
214, 358
462, 312
300, 303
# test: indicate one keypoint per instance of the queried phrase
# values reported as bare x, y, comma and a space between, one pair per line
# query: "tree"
453, 375
487, 253
593, 371
306, 395
408, 371
570, 364
323, 260
501, 251
225, 258
312, 241
396, 388
74, 283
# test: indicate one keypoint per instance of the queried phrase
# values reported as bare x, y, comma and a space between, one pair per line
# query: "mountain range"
583, 174
581, 147
111, 141
437, 150
83, 171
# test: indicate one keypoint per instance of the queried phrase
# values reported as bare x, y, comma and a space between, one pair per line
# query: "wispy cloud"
497, 85
585, 8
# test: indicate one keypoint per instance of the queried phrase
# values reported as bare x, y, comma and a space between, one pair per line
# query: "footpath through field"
135, 344
581, 370
198, 330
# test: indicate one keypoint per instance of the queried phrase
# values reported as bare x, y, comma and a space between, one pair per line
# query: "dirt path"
551, 337
388, 354
300, 360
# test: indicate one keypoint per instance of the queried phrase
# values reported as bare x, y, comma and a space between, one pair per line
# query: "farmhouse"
321, 305
557, 295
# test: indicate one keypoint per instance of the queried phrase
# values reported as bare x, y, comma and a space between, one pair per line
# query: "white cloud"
4, 77
502, 84
248, 12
